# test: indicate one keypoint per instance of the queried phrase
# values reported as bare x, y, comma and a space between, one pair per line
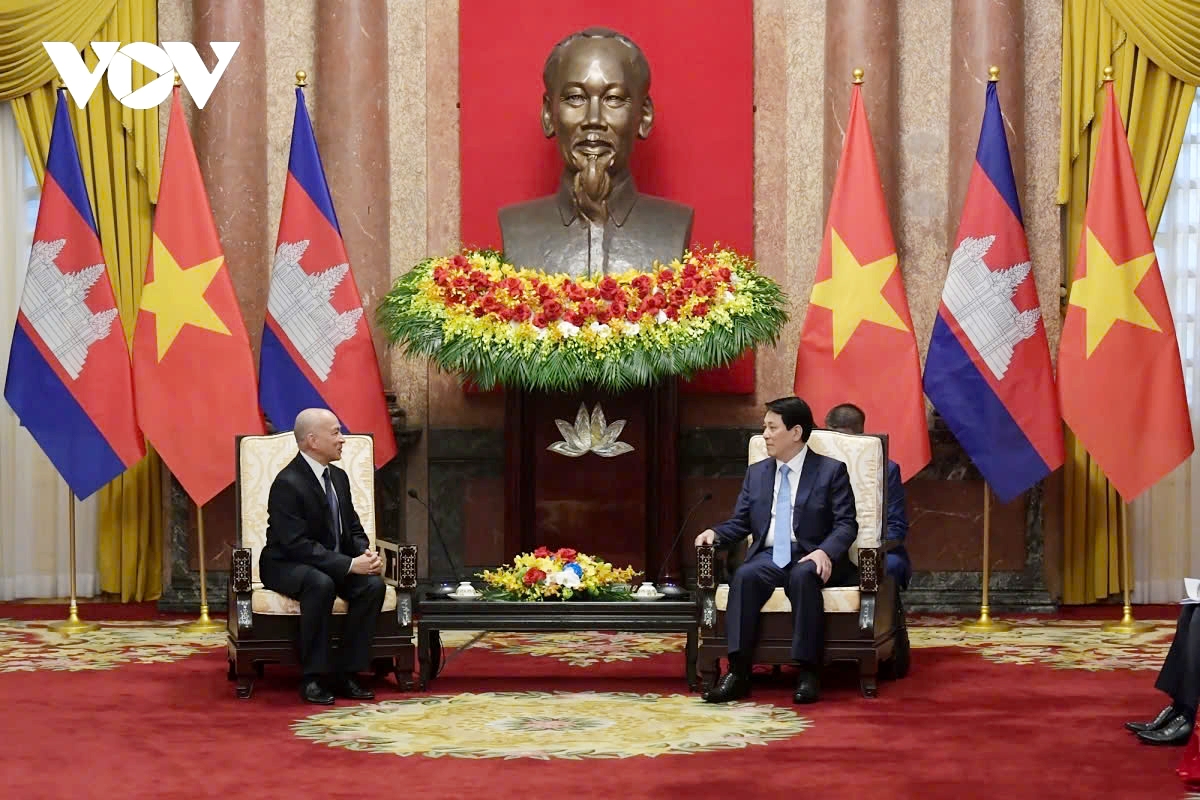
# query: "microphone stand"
670, 590
444, 587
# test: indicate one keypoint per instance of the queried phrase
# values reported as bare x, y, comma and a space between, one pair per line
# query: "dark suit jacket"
300, 526
898, 563
822, 519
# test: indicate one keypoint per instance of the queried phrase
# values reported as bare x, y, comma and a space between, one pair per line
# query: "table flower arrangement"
562, 574
476, 315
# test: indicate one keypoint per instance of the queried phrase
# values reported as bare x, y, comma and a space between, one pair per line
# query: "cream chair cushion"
260, 459
864, 460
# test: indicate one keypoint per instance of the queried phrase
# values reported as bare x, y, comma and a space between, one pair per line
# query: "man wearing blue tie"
798, 508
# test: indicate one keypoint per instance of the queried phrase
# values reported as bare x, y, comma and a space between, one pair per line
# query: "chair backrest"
260, 459
865, 458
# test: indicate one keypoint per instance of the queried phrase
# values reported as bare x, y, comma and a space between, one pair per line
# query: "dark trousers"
316, 592
1180, 674
751, 587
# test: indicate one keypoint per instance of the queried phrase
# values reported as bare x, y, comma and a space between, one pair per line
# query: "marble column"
984, 33
353, 135
863, 34
231, 144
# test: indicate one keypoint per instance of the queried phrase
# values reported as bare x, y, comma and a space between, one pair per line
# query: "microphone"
445, 588
671, 589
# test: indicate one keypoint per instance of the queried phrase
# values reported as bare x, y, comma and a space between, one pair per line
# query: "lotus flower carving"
590, 434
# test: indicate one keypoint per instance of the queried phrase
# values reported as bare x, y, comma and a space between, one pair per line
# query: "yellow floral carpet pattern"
31, 646
583, 649
26, 645
1056, 643
550, 725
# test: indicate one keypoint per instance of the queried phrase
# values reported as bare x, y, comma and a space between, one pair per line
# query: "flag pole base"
73, 624
985, 624
1127, 624
203, 624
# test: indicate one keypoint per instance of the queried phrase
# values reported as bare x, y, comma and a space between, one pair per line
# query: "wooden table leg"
690, 654
425, 637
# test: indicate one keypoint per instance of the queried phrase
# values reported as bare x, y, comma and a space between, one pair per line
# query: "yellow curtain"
119, 151
25, 24
1153, 65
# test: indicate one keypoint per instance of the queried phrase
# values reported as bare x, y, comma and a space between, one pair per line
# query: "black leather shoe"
1177, 731
312, 692
731, 686
1164, 716
348, 687
808, 687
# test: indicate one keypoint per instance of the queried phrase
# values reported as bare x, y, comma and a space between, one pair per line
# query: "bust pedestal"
623, 509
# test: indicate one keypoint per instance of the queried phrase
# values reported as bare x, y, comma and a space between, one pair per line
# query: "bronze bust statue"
597, 101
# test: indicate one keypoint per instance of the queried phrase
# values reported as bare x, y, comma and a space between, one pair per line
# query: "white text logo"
172, 57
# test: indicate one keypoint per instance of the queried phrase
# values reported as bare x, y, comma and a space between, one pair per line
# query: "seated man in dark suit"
1179, 678
799, 508
848, 418
317, 550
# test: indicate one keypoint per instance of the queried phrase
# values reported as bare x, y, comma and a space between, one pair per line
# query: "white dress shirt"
794, 467
319, 469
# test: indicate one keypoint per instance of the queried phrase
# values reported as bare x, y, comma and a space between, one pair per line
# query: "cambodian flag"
988, 370
317, 349
68, 372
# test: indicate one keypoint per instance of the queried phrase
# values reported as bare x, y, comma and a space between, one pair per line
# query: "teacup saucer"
648, 598
457, 596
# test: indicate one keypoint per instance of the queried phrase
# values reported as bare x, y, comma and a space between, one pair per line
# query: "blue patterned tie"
781, 551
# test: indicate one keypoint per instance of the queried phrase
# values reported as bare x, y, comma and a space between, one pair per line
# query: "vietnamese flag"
193, 372
857, 344
1120, 379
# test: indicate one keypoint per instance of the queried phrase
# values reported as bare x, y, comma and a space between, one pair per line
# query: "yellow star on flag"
854, 293
1107, 292
176, 297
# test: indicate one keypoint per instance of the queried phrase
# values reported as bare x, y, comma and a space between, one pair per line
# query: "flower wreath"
474, 314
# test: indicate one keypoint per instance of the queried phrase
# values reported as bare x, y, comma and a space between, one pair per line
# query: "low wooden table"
436, 614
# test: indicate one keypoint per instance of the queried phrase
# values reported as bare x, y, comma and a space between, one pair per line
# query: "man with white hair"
316, 551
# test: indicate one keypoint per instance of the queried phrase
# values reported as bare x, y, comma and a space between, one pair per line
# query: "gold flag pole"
1127, 624
203, 624
985, 623
72, 624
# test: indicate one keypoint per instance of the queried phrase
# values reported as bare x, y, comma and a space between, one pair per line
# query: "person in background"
849, 418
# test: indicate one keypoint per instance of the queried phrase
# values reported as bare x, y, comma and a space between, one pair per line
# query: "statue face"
596, 105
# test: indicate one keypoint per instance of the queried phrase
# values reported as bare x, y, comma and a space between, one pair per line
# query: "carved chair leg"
245, 687
867, 669
690, 656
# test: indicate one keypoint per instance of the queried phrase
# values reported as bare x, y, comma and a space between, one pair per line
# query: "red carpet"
961, 725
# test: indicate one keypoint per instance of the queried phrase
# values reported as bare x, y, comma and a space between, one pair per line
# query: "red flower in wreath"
566, 554
534, 575
542, 552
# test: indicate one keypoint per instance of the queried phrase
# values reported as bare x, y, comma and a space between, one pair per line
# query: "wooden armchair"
860, 621
263, 625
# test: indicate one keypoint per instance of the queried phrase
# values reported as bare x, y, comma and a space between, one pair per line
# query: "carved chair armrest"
870, 568
399, 564
706, 566
400, 571
240, 588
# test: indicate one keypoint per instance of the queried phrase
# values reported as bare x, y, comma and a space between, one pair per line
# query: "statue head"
596, 103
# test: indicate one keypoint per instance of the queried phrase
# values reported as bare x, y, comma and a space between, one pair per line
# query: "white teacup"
647, 590
465, 589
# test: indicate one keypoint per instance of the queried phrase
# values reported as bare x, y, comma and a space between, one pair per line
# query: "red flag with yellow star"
193, 373
857, 344
1120, 379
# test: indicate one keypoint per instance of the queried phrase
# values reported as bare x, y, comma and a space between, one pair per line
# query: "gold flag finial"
993, 74
1108, 74
301, 78
858, 75
178, 80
